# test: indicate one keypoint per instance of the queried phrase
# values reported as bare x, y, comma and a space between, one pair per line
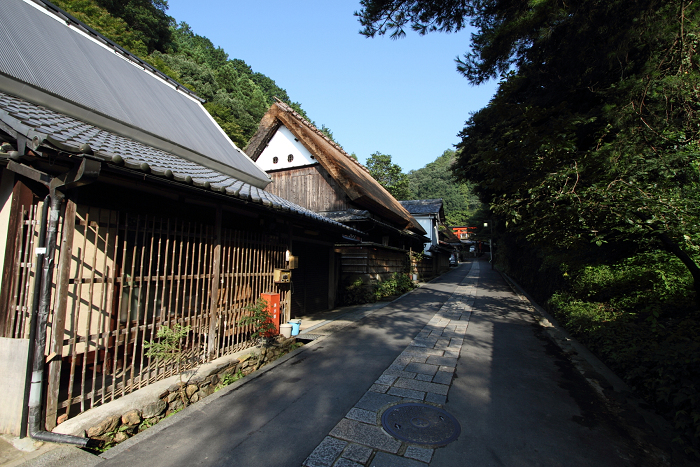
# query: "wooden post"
59, 315
288, 297
215, 278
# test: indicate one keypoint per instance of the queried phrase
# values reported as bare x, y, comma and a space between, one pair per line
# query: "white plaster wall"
281, 146
431, 230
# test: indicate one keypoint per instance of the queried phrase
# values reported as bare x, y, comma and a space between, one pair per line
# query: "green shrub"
358, 293
398, 284
259, 317
638, 316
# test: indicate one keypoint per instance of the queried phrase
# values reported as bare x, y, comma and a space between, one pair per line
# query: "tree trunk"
674, 248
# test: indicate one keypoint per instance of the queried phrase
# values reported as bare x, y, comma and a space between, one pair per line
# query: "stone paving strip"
423, 372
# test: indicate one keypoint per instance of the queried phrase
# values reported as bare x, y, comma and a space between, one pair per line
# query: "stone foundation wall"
117, 428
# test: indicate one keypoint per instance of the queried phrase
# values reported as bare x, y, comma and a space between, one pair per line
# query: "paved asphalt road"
280, 417
518, 399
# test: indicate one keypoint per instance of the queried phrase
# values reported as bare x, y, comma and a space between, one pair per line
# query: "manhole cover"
421, 424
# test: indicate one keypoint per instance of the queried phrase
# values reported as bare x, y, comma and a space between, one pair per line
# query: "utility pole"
486, 224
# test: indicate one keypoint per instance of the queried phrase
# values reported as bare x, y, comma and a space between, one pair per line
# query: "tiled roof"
68, 134
422, 206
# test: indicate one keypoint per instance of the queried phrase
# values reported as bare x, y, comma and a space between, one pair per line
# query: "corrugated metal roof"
55, 62
52, 129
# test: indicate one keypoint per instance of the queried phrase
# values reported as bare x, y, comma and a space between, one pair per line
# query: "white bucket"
286, 330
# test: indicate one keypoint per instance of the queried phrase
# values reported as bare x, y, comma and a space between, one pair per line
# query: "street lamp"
486, 224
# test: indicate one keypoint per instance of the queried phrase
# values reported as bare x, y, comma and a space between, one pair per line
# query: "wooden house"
309, 169
124, 208
430, 214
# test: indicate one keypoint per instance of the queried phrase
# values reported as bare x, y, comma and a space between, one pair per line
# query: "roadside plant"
358, 293
415, 257
258, 316
168, 349
398, 284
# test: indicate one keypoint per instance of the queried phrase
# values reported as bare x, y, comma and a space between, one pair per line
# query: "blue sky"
399, 97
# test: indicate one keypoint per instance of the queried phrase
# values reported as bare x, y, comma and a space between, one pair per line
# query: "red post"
273, 308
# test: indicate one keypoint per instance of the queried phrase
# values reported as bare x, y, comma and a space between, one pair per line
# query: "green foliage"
112, 27
230, 379
146, 18
635, 314
436, 180
259, 318
358, 293
167, 347
398, 284
389, 175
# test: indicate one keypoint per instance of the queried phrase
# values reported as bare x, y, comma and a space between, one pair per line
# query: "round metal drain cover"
421, 424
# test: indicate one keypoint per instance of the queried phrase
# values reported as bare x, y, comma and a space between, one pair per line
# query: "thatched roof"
352, 176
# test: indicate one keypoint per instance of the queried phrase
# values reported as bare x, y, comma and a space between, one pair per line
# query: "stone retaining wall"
117, 428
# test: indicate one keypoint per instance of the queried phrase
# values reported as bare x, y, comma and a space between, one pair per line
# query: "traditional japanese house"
309, 169
430, 214
124, 208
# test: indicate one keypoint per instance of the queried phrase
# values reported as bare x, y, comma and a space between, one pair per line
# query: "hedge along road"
278, 418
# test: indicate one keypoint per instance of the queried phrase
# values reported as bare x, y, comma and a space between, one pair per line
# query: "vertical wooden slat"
139, 300
179, 241
236, 287
191, 340
65, 259
107, 302
152, 364
214, 284
145, 281
131, 251
119, 244
91, 302
73, 342
199, 283
23, 304
88, 321
21, 197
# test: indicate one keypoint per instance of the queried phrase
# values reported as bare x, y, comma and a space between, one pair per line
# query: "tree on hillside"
98, 18
147, 18
593, 134
436, 180
389, 175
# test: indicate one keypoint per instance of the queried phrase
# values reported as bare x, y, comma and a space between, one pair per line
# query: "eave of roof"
45, 128
356, 215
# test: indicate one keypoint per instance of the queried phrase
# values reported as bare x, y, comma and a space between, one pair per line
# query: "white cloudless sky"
399, 97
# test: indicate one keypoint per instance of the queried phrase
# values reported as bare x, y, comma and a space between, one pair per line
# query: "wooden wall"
310, 187
370, 262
